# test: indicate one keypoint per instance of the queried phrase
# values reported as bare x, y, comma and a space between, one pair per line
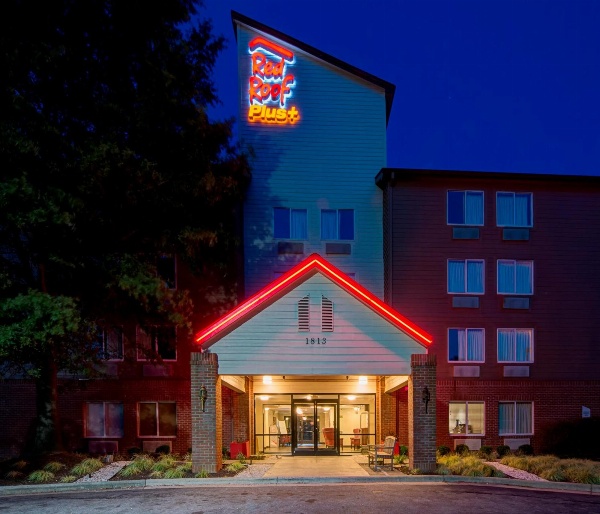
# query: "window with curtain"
514, 209
515, 345
466, 418
515, 418
465, 276
156, 341
110, 342
103, 419
157, 419
290, 223
337, 224
466, 345
515, 277
465, 208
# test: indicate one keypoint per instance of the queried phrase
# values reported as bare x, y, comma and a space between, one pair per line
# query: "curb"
567, 487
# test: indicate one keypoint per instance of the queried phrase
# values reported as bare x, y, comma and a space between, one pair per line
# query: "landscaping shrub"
552, 468
164, 463
403, 450
469, 465
234, 467
525, 449
164, 449
14, 475
486, 451
54, 466
462, 449
86, 467
443, 450
202, 474
134, 450
68, 479
502, 450
40, 476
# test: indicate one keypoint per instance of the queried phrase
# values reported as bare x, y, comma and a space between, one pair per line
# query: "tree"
108, 159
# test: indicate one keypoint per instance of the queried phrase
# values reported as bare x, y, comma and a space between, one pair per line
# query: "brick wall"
422, 416
207, 432
387, 413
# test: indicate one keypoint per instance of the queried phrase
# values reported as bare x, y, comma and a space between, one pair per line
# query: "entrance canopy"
314, 320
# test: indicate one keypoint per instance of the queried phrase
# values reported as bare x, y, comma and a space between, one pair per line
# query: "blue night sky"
483, 85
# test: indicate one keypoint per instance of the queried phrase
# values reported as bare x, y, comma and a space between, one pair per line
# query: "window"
515, 277
157, 419
466, 345
337, 224
514, 209
166, 269
289, 223
110, 342
304, 314
465, 207
157, 341
466, 418
515, 418
326, 314
515, 345
465, 276
103, 419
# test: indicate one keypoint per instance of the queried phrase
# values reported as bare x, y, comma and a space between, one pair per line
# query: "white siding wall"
362, 343
326, 160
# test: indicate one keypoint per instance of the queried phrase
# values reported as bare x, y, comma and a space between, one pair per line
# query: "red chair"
355, 441
329, 436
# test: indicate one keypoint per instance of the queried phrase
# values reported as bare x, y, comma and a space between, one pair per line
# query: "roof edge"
388, 87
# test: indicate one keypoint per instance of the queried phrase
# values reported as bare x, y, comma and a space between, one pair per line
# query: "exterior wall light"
203, 396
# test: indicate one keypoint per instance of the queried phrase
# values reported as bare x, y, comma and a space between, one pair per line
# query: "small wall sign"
586, 412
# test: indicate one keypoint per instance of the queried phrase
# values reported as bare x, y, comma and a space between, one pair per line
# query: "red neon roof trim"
272, 47
311, 264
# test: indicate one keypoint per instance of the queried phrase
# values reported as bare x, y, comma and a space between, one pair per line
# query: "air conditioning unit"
151, 446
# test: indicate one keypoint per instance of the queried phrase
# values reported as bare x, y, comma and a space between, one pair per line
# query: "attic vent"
326, 314
303, 315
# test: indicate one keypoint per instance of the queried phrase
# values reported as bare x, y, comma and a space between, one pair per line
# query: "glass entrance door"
315, 427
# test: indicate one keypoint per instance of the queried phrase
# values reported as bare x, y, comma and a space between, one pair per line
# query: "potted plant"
237, 447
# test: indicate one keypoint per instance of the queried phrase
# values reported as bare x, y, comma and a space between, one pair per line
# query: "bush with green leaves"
141, 464
14, 475
87, 467
462, 449
202, 474
502, 450
177, 472
54, 467
443, 450
469, 465
164, 449
555, 469
235, 467
40, 476
67, 479
525, 449
404, 450
164, 463
241, 457
134, 450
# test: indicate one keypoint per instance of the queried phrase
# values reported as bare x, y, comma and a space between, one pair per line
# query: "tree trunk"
47, 431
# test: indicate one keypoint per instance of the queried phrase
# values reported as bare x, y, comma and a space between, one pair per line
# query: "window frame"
514, 433
465, 262
338, 225
531, 345
86, 423
102, 328
514, 262
153, 342
290, 210
465, 224
514, 193
466, 333
157, 417
466, 423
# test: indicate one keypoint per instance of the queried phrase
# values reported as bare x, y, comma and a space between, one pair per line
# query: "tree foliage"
107, 160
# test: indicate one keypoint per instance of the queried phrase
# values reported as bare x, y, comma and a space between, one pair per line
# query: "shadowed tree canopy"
107, 160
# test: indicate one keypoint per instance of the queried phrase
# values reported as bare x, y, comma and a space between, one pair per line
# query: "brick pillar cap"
422, 359
205, 358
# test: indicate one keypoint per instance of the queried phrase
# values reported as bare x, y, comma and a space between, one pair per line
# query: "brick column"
207, 426
421, 424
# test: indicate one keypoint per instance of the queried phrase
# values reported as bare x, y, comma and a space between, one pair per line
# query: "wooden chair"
329, 436
355, 440
381, 452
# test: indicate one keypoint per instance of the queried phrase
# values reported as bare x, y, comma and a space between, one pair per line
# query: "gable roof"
297, 275
388, 87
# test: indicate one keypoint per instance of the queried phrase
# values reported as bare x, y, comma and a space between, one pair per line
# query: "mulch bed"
36, 462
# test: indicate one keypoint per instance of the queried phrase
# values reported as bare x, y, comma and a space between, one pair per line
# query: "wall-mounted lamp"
203, 396
426, 397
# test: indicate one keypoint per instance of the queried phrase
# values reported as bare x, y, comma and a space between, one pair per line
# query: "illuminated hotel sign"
270, 85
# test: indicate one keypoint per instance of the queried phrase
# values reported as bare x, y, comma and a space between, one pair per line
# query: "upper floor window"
110, 342
514, 209
466, 417
289, 223
515, 277
465, 276
465, 207
466, 345
166, 269
103, 419
337, 224
157, 341
515, 418
515, 345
